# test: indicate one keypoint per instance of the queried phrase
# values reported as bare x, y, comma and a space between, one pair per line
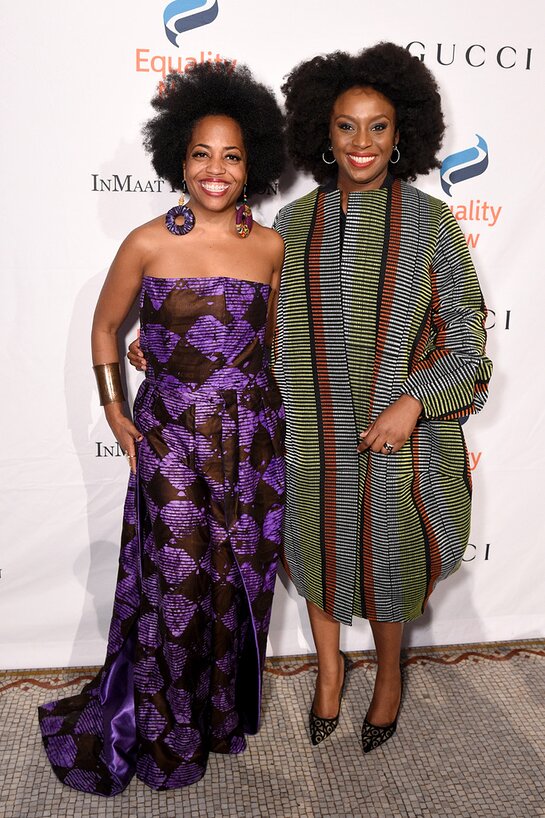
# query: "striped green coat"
393, 307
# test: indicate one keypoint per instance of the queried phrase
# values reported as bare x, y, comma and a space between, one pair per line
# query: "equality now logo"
476, 213
184, 15
466, 164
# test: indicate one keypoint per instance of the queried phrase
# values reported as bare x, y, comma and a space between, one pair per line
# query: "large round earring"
180, 210
328, 161
244, 219
395, 161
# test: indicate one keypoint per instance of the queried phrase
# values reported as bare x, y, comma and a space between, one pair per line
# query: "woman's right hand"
135, 354
126, 433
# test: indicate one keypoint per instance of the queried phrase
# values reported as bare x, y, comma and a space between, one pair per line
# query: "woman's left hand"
393, 426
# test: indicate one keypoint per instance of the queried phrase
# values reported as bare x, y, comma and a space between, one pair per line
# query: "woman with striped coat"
379, 354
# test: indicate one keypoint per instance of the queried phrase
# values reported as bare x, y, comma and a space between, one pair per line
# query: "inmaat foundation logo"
183, 15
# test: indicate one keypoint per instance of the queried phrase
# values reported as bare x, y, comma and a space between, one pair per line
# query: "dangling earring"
328, 161
395, 161
244, 219
180, 210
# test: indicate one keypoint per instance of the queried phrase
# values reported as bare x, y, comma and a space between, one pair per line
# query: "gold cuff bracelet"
109, 383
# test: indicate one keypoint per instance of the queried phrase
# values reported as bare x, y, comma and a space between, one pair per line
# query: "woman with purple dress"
203, 513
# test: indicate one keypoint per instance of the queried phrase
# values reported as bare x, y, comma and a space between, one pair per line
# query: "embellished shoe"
372, 736
321, 728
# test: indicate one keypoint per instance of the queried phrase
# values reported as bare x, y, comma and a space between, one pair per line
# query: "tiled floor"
470, 744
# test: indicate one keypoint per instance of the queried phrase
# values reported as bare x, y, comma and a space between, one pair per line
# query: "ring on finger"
389, 447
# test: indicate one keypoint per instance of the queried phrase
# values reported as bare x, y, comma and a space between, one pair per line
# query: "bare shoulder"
273, 241
146, 235
267, 233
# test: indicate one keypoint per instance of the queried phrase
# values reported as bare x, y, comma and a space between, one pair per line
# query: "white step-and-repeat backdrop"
76, 83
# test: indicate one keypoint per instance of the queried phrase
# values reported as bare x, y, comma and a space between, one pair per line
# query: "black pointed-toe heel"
321, 728
372, 736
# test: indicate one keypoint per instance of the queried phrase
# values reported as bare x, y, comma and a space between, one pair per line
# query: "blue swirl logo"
183, 15
464, 165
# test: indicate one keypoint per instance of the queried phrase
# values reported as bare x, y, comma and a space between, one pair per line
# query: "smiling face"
215, 168
362, 130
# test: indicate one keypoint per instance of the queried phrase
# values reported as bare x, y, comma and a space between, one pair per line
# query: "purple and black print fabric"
201, 534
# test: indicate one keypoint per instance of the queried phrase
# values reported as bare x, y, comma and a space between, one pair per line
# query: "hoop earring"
331, 161
395, 161
244, 219
180, 210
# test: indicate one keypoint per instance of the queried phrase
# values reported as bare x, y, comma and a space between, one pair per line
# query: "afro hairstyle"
313, 86
211, 89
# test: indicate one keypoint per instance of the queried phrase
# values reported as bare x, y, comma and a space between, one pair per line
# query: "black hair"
313, 86
216, 89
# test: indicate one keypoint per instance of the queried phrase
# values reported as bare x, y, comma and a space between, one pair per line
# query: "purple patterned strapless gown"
201, 533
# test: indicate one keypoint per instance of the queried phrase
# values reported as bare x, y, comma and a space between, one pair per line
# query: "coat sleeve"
451, 377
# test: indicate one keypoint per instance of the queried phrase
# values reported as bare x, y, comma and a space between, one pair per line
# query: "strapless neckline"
207, 278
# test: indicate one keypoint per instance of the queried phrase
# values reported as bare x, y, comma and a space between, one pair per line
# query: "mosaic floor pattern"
470, 744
